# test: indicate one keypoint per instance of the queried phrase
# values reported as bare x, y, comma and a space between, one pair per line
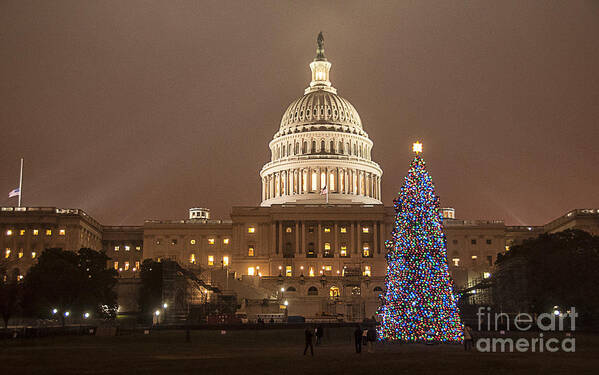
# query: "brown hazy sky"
136, 110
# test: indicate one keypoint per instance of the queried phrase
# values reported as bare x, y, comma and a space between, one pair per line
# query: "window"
486, 275
314, 180
22, 232
33, 254
250, 251
455, 242
211, 260
48, 232
192, 242
62, 232
137, 265
366, 271
377, 289
490, 260
343, 230
310, 251
312, 291
356, 291
225, 241
192, 258
158, 241
225, 261
116, 265
9, 232
20, 254
116, 248
473, 241
7, 253
126, 266
474, 257
311, 272
327, 246
251, 271
334, 292
328, 268
288, 271
288, 230
343, 251
138, 248
211, 241
310, 229
365, 229
507, 248
456, 262
127, 247
291, 289
365, 250
173, 241
251, 230
489, 242
36, 232
327, 230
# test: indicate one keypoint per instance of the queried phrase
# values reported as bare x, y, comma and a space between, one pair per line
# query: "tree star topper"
417, 147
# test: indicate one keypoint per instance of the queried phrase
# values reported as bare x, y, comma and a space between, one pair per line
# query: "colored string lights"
419, 304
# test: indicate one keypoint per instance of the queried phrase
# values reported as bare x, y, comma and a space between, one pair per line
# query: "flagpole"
21, 183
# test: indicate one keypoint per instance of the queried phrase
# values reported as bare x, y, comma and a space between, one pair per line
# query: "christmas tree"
419, 304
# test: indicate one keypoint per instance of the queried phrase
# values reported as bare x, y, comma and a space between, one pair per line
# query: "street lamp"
165, 305
86, 315
54, 311
67, 313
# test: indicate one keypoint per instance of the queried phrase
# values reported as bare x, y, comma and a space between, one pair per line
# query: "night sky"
136, 110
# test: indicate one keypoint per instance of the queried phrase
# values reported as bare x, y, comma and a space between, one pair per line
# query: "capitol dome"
321, 153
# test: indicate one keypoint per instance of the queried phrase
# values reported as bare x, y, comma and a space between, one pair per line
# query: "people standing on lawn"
309, 335
468, 340
371, 337
358, 339
319, 334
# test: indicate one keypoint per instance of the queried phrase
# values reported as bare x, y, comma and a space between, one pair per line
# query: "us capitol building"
314, 245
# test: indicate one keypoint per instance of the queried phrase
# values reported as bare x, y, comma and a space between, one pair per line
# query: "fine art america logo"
549, 325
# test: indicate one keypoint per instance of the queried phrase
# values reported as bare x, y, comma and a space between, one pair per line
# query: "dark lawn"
272, 352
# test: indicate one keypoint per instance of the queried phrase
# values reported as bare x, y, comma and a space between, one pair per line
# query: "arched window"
291, 289
313, 151
377, 289
296, 148
312, 291
283, 151
340, 150
322, 148
332, 148
334, 292
305, 147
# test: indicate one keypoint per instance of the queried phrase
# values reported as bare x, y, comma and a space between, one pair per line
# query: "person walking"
309, 335
371, 337
358, 339
319, 334
468, 340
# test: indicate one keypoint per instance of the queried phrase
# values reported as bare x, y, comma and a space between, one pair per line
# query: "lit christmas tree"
419, 304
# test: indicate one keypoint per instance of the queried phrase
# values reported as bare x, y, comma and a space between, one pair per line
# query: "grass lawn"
273, 352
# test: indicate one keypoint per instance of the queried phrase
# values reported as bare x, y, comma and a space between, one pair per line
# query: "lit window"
474, 257
225, 261
116, 265
225, 241
507, 248
334, 292
327, 246
127, 247
138, 248
33, 254
251, 271
343, 251
126, 266
48, 232
173, 242
311, 272
486, 275
288, 230
9, 232
327, 230
116, 248
365, 229
7, 253
251, 230
211, 241
366, 270
456, 262
251, 251
36, 232
192, 258
62, 232
288, 271
366, 250
21, 254
328, 268
192, 242
137, 265
22, 232
343, 230
211, 260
